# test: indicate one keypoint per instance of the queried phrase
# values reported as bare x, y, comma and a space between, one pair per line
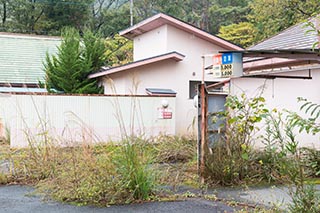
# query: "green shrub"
311, 158
278, 156
231, 159
305, 200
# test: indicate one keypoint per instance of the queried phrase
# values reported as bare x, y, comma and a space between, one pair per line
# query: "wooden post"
203, 126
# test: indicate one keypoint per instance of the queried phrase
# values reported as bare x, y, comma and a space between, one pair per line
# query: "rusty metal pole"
203, 125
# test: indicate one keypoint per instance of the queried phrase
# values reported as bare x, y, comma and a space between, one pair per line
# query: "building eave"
266, 59
162, 19
271, 63
168, 56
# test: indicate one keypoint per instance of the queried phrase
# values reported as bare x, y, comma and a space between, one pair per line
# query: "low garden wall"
69, 119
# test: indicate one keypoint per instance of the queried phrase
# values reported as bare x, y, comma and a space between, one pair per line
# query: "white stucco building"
167, 55
286, 66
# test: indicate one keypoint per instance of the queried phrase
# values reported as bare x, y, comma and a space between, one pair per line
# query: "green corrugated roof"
22, 56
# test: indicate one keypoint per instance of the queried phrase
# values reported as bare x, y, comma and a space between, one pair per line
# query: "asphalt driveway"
16, 199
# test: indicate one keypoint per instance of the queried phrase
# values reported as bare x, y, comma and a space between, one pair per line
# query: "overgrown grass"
122, 175
106, 174
173, 149
102, 174
176, 160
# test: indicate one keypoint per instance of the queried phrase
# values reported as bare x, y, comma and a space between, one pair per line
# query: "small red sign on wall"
217, 59
165, 113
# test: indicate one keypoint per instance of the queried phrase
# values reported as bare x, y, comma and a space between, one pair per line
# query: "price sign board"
226, 70
227, 65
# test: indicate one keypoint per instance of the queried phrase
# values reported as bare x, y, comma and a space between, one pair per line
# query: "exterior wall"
74, 119
116, 85
282, 94
136, 81
150, 44
169, 74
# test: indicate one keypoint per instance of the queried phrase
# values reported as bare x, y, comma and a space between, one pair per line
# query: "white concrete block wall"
74, 119
282, 93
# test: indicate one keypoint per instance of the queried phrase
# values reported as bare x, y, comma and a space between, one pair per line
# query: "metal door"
215, 121
212, 129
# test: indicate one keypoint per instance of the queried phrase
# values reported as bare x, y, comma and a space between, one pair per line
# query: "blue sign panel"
227, 58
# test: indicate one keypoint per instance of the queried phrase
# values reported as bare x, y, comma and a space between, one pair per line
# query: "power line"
69, 2
75, 2
62, 2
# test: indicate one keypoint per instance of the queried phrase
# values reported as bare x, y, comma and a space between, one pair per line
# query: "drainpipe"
318, 29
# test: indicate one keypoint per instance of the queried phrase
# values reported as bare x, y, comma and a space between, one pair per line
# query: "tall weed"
305, 200
230, 158
133, 166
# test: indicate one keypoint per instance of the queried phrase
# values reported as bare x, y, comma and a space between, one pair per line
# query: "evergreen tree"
76, 58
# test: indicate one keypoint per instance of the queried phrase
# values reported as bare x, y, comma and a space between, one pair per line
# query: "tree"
44, 16
50, 16
119, 50
242, 34
272, 16
108, 22
223, 13
3, 11
72, 13
25, 15
76, 58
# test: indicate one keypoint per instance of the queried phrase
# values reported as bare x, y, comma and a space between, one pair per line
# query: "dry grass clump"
175, 159
84, 178
172, 149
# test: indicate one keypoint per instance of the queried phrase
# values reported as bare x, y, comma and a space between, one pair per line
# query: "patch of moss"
3, 179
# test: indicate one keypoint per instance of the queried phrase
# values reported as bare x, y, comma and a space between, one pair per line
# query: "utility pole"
131, 12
